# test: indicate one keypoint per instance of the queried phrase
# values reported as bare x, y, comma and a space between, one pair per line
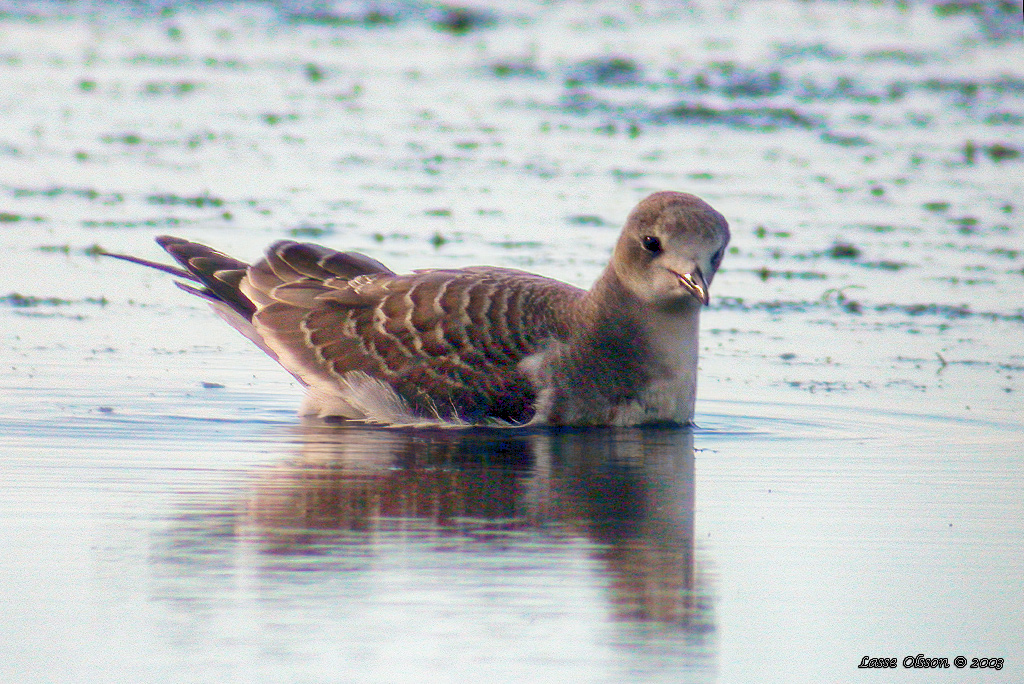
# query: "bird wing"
446, 342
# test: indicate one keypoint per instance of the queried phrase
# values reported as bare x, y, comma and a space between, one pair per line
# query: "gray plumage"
480, 344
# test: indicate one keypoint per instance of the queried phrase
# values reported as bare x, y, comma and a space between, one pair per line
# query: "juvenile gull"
482, 344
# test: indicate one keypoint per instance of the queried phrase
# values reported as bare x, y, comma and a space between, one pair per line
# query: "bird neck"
664, 337
610, 299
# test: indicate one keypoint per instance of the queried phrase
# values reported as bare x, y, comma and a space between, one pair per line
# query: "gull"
480, 345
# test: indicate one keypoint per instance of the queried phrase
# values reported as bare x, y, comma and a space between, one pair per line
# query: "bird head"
670, 249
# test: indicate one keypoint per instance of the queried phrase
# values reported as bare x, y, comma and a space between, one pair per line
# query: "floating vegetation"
170, 88
311, 231
760, 97
755, 118
813, 386
228, 63
461, 20
124, 139
91, 250
446, 19
61, 191
997, 152
845, 140
764, 273
519, 244
731, 80
621, 175
370, 19
198, 201
274, 119
1000, 152
758, 118
998, 19
894, 55
959, 7
818, 51
313, 73
834, 299
17, 299
140, 223
172, 60
885, 265
943, 310
965, 224
585, 220
1004, 119
516, 69
633, 130
603, 71
843, 250
11, 217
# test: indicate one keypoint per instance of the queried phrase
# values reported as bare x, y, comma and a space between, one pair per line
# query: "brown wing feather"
447, 341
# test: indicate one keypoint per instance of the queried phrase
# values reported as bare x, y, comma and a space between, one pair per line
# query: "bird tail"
217, 274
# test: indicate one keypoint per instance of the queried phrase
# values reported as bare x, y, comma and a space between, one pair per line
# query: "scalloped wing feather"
441, 345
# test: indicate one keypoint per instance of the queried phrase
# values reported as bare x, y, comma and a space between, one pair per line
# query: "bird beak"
695, 284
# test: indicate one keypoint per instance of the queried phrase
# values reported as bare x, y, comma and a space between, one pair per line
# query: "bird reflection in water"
628, 494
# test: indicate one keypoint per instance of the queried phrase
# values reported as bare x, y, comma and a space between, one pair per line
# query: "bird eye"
651, 243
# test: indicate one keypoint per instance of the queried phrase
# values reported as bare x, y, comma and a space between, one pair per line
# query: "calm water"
855, 485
